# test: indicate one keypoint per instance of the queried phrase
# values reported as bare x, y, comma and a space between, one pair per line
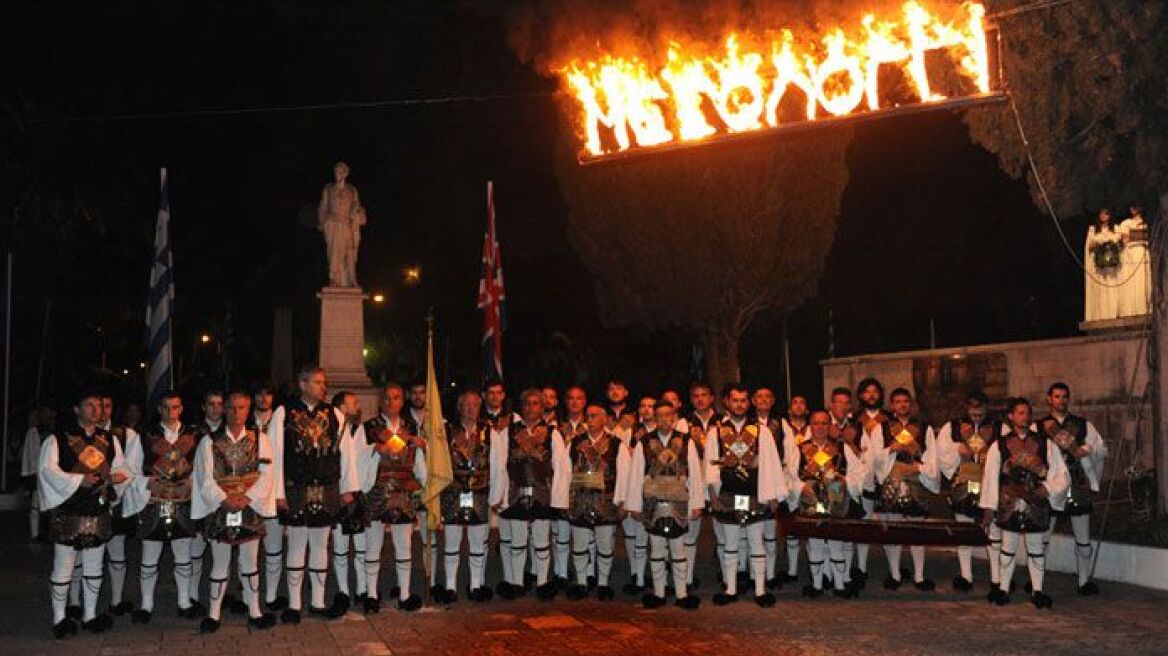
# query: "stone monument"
342, 302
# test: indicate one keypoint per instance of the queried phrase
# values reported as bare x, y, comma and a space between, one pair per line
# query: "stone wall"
1108, 375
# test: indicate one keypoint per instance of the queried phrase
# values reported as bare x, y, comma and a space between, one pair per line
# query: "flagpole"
426, 544
7, 369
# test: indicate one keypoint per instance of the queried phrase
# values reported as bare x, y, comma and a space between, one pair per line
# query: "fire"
626, 102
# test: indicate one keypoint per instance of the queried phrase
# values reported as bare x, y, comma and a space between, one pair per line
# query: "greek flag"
161, 306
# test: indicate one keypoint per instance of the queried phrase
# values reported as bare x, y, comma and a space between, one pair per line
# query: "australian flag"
492, 296
160, 310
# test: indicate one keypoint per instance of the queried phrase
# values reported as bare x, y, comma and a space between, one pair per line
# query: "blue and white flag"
160, 310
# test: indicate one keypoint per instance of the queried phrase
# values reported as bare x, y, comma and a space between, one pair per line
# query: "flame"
695, 95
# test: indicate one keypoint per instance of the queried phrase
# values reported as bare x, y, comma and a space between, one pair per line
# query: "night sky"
930, 227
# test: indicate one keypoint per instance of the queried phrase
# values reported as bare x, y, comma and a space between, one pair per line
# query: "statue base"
342, 344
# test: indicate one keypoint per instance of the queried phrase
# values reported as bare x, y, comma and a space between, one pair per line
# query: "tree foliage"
707, 239
1089, 84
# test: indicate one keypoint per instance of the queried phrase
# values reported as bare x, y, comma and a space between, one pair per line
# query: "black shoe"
546, 592
436, 592
688, 602
1089, 588
962, 584
208, 625
190, 612
853, 588
372, 605
73, 612
812, 592
409, 604
843, 593
339, 607
997, 597
577, 592
64, 629
509, 591
783, 578
765, 600
264, 621
605, 593
858, 576
560, 582
1041, 600
632, 589
198, 606
279, 603
234, 605
122, 608
360, 599
98, 624
650, 601
290, 616
722, 599
925, 585
141, 616
319, 612
891, 583
446, 596
480, 595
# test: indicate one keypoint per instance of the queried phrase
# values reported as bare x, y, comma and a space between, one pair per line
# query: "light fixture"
205, 338
379, 298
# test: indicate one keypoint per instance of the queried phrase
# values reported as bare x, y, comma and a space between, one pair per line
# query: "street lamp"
379, 298
412, 274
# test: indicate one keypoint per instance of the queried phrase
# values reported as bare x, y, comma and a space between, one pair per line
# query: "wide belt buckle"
466, 500
234, 519
820, 508
742, 502
87, 525
974, 487
315, 495
527, 491
166, 510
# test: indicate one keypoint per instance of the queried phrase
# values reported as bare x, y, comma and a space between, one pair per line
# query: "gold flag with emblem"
439, 472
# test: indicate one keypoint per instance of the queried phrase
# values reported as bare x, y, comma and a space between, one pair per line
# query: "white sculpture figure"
340, 217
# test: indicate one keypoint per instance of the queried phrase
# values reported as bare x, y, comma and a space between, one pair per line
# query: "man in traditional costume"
81, 473
1025, 479
232, 480
746, 481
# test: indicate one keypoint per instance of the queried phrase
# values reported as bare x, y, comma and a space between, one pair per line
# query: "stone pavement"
1122, 620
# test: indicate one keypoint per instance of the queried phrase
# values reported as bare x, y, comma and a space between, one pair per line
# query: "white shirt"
207, 495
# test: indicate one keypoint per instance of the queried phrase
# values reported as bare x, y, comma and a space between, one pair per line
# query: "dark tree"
707, 239
1089, 84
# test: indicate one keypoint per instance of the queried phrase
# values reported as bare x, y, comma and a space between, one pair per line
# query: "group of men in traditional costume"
310, 482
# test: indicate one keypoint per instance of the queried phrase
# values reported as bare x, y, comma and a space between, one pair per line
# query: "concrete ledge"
1146, 567
1123, 563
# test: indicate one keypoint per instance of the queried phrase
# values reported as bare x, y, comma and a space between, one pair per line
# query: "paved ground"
1123, 620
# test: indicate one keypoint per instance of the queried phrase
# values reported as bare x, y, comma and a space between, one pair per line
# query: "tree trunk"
722, 359
1160, 382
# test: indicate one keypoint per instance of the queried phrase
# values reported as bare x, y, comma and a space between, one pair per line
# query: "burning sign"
752, 84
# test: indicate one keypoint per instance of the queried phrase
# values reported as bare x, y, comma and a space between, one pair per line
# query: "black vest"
312, 444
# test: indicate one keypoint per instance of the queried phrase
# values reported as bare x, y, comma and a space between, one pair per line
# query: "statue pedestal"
342, 344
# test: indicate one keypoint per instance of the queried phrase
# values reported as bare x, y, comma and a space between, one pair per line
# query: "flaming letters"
625, 102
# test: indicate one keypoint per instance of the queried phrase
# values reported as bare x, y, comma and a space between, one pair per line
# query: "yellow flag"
439, 473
